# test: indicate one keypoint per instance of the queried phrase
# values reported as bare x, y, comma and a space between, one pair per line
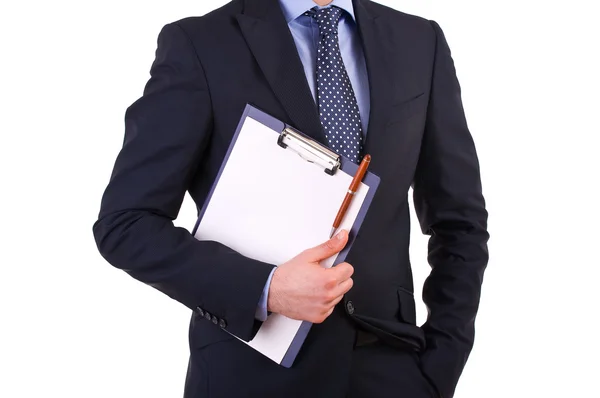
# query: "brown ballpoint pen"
360, 173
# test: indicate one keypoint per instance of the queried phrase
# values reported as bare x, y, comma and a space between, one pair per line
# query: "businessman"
361, 78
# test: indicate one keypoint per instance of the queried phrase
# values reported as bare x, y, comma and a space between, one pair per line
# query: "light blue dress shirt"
305, 32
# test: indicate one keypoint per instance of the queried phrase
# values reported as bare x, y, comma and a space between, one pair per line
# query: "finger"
336, 300
341, 272
333, 293
343, 287
328, 248
324, 316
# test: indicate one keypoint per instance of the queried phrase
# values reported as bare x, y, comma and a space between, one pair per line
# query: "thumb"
328, 248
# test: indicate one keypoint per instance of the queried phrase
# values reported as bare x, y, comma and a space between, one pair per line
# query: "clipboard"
272, 221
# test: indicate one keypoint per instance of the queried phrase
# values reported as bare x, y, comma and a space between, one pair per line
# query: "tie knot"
327, 19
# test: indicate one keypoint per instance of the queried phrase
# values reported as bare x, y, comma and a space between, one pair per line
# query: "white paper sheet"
270, 205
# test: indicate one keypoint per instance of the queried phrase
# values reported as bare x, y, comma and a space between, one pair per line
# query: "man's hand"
302, 289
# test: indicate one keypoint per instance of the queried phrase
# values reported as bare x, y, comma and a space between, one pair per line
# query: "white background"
72, 326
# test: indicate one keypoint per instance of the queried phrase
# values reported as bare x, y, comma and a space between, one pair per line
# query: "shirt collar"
292, 9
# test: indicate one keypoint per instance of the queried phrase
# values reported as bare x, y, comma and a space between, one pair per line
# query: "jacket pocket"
405, 110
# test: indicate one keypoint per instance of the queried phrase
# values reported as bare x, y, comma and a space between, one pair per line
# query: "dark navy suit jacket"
206, 70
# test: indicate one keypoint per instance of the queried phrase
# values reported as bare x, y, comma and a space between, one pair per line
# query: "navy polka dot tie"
338, 108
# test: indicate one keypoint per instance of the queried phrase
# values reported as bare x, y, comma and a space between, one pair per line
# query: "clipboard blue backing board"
370, 179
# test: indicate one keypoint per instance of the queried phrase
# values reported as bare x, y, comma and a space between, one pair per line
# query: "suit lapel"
381, 80
270, 41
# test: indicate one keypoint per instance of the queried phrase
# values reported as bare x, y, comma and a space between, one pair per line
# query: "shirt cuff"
261, 310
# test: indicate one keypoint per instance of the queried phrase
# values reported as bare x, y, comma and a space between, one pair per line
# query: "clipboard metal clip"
310, 150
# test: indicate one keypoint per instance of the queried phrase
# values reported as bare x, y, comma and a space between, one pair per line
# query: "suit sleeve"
451, 209
166, 134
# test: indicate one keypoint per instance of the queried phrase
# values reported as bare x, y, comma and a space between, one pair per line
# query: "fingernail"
340, 234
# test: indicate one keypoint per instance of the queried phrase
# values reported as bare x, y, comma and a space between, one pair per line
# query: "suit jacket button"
215, 320
200, 311
207, 315
222, 323
350, 307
